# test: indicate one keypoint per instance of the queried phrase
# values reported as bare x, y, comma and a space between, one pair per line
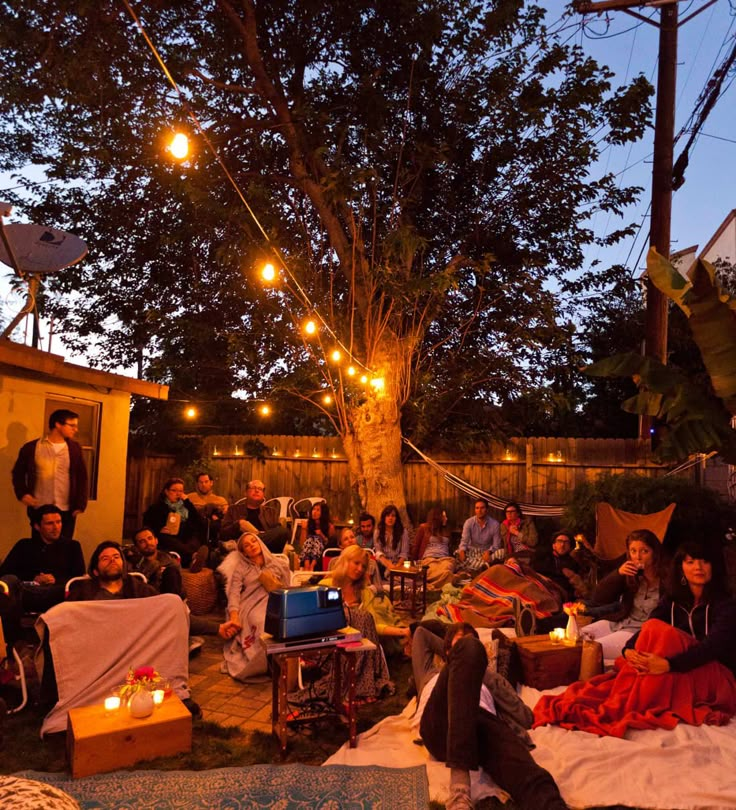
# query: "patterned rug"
277, 787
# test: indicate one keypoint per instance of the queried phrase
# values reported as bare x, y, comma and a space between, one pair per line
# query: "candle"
557, 635
158, 697
112, 704
407, 564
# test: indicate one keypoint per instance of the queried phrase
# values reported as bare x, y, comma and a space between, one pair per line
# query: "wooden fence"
536, 470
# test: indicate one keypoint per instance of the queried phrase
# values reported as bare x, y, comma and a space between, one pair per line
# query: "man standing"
210, 506
37, 569
252, 516
366, 528
481, 539
52, 471
459, 723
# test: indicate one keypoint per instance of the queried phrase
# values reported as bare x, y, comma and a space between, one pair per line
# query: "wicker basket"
201, 591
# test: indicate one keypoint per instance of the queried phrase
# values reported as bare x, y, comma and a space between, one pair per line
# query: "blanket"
614, 702
687, 768
489, 600
93, 644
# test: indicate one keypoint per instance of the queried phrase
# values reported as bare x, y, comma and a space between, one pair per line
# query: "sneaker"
193, 707
459, 798
195, 644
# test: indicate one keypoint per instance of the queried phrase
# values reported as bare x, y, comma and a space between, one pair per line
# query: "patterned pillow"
17, 793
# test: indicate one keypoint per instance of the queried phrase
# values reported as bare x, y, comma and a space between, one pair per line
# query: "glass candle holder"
407, 564
158, 697
112, 704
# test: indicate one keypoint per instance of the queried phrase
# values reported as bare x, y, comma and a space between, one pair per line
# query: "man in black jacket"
37, 569
52, 470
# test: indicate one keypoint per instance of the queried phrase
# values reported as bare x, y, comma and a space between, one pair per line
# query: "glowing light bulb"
336, 356
310, 327
190, 413
351, 371
265, 410
364, 379
269, 272
378, 383
327, 399
179, 146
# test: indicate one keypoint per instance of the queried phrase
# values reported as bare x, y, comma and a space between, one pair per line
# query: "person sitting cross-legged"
459, 725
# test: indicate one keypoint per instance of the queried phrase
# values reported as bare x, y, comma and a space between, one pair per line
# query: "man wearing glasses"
250, 515
51, 470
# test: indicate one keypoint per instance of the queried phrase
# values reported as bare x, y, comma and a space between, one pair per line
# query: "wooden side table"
279, 670
545, 663
415, 574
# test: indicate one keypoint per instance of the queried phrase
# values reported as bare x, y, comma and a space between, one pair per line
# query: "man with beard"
109, 578
160, 569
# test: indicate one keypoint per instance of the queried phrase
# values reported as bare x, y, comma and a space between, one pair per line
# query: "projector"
302, 613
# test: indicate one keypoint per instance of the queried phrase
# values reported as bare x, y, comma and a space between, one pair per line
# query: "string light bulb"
265, 410
364, 379
190, 412
268, 273
327, 399
310, 327
351, 371
378, 383
336, 355
179, 146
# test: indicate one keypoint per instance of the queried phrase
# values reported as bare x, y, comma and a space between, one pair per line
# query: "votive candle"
112, 703
158, 697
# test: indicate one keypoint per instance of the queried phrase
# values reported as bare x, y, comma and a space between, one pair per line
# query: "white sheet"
688, 768
93, 644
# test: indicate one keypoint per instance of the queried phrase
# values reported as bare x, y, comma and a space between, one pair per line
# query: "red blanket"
610, 704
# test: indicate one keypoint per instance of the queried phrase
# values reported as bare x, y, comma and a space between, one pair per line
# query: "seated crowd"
659, 620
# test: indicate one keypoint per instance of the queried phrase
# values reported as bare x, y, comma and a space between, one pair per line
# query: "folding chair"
284, 504
6, 666
302, 507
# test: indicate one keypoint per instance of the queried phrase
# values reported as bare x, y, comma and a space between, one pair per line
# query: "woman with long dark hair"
432, 548
391, 541
519, 534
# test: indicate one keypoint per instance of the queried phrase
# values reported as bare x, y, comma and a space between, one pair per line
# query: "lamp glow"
336, 356
378, 383
179, 146
112, 703
190, 412
364, 379
269, 272
310, 327
351, 371
327, 399
265, 410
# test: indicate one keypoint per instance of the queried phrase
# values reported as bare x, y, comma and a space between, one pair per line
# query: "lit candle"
112, 704
557, 635
407, 564
158, 697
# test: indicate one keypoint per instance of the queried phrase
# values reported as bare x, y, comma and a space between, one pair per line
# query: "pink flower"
144, 673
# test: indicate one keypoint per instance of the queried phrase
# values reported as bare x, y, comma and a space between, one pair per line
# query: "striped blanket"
489, 600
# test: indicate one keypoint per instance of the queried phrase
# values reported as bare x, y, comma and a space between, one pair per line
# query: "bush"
701, 513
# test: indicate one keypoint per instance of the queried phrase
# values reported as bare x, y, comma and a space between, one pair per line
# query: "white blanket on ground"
94, 644
688, 768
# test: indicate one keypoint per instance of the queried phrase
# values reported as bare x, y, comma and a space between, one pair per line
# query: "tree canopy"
426, 169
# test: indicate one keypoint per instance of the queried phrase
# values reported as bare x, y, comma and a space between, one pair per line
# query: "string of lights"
179, 149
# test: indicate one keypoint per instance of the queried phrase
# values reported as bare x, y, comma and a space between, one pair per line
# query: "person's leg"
425, 645
507, 760
68, 525
448, 725
275, 539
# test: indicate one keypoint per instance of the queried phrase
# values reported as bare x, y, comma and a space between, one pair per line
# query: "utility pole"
656, 315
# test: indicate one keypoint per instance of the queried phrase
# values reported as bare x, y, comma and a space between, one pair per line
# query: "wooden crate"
97, 742
545, 664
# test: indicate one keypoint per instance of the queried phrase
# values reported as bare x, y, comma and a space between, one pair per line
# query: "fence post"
529, 459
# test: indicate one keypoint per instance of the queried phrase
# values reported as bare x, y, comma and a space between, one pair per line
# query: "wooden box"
97, 742
545, 664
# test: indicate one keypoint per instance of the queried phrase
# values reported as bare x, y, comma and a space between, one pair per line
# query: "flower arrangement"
137, 679
573, 608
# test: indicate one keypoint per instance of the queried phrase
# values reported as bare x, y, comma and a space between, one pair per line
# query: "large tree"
424, 167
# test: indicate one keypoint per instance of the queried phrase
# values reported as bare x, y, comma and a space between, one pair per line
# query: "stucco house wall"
28, 379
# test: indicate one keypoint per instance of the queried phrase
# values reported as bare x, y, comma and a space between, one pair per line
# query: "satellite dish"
41, 250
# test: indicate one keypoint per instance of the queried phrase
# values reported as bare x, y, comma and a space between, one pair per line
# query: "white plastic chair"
87, 576
303, 506
285, 503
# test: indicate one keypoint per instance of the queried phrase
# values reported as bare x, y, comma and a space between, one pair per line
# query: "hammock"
536, 510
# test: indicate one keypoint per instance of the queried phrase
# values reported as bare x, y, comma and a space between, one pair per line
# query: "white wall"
22, 419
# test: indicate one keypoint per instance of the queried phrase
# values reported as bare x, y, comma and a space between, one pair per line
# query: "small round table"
415, 574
